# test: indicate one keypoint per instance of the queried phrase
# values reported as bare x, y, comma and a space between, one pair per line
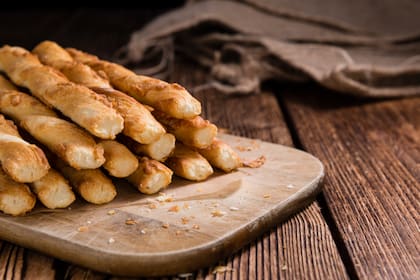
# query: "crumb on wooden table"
130, 222
82, 229
254, 163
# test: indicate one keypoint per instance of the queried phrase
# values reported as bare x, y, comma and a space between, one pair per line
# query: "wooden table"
364, 225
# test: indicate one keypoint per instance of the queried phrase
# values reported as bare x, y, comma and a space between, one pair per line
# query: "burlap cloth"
368, 48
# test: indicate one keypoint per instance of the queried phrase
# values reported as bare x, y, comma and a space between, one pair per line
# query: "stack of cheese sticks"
89, 120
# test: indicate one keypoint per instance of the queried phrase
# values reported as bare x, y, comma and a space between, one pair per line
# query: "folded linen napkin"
367, 48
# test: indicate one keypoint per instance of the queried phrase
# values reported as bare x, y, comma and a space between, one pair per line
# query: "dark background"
99, 30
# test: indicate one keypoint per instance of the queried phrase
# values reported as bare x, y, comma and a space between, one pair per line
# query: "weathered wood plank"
371, 151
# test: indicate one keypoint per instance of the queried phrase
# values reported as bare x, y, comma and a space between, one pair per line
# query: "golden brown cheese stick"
75, 146
6, 84
22, 161
195, 132
53, 190
119, 160
15, 198
158, 150
18, 105
51, 54
221, 155
68, 141
79, 103
91, 184
151, 176
139, 123
189, 164
171, 98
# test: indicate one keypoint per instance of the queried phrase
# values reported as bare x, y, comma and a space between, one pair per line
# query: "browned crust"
195, 132
15, 198
77, 102
171, 98
151, 176
22, 161
189, 164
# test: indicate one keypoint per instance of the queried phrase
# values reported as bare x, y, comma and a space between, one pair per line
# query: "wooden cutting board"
190, 226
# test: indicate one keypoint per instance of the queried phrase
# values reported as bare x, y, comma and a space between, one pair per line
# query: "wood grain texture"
372, 152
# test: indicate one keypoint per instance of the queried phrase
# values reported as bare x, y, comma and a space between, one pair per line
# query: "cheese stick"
6, 84
119, 160
189, 164
195, 132
19, 105
51, 54
15, 198
22, 161
170, 98
221, 155
91, 184
79, 103
139, 123
74, 145
53, 190
151, 176
158, 150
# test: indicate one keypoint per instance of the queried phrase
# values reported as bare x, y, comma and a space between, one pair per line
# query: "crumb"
111, 212
284, 267
233, 208
199, 189
186, 206
195, 226
152, 206
165, 225
221, 269
174, 208
69, 208
143, 231
89, 222
290, 186
267, 195
83, 229
243, 148
184, 220
254, 163
218, 213
130, 222
164, 198
178, 232
111, 240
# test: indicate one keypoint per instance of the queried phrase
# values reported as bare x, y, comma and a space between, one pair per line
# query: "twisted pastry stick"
22, 161
139, 124
80, 104
173, 99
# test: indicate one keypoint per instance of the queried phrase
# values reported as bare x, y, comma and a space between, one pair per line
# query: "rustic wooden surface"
363, 225
371, 152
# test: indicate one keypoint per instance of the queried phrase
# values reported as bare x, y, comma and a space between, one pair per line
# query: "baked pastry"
77, 102
173, 99
22, 161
